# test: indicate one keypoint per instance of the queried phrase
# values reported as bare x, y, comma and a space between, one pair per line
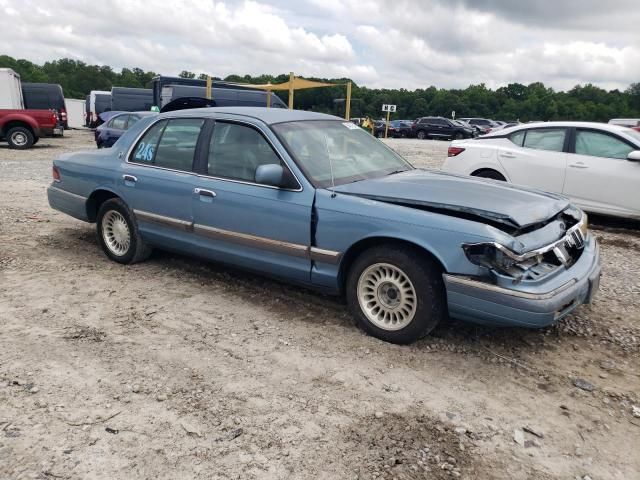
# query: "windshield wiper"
397, 171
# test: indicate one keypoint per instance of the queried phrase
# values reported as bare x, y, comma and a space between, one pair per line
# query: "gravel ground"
176, 368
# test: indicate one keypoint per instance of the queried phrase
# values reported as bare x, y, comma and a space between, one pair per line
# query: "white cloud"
405, 43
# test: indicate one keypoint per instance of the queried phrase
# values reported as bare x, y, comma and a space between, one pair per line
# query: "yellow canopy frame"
296, 83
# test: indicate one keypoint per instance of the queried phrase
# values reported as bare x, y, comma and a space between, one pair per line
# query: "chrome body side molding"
294, 249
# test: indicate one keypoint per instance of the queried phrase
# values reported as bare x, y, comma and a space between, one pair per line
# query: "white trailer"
10, 90
75, 112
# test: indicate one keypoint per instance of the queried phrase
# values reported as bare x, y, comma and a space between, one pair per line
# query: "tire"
489, 173
118, 233
458, 136
20, 138
382, 270
421, 134
379, 135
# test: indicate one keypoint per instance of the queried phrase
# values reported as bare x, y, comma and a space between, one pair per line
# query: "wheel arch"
96, 199
18, 123
493, 168
355, 250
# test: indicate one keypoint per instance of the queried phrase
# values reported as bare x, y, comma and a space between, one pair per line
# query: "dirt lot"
175, 368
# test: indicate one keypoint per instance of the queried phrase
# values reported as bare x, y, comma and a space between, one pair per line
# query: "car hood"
498, 203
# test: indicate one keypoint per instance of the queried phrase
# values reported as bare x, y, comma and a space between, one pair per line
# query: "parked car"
627, 122
46, 96
397, 129
10, 90
109, 132
22, 129
462, 123
439, 127
314, 200
596, 165
483, 125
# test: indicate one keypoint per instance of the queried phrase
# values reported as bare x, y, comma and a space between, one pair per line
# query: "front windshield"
323, 147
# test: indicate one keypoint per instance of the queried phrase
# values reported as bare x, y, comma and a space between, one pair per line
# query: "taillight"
454, 151
54, 117
56, 174
63, 114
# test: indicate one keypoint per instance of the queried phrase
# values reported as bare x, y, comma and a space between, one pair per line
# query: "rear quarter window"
517, 137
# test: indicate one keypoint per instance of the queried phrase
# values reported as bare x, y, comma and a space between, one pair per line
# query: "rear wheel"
489, 173
458, 136
396, 293
20, 138
118, 233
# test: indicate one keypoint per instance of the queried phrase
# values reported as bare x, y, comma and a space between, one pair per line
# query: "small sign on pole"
453, 114
389, 109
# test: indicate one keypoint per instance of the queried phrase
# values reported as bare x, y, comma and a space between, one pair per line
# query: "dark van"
124, 99
168, 89
45, 96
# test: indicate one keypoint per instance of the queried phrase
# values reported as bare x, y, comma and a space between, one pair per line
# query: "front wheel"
421, 134
396, 293
118, 233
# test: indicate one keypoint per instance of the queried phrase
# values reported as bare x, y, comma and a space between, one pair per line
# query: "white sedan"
596, 165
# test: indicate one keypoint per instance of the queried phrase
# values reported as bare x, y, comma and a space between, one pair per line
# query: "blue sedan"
315, 200
109, 132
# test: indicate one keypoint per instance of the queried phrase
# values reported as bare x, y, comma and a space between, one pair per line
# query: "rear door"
157, 180
239, 221
599, 176
536, 157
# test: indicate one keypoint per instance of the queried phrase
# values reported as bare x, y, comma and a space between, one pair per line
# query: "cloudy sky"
378, 43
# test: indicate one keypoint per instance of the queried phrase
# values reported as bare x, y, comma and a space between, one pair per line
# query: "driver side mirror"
271, 174
634, 156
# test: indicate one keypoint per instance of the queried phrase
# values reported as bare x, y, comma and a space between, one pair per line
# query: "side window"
145, 150
120, 122
132, 121
517, 137
177, 145
599, 144
545, 139
236, 151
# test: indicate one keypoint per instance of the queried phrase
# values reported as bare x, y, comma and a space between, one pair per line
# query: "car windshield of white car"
343, 150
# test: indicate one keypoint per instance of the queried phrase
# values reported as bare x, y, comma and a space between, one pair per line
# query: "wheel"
379, 135
458, 136
99, 145
421, 134
395, 293
118, 233
489, 173
20, 138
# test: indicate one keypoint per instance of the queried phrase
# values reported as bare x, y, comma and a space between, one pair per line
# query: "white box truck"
75, 112
10, 90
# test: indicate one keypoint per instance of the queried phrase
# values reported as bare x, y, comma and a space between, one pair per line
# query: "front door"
599, 176
239, 221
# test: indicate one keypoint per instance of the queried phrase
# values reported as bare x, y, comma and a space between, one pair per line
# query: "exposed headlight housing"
532, 264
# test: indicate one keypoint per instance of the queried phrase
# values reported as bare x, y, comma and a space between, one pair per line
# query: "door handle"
578, 165
507, 155
129, 178
204, 193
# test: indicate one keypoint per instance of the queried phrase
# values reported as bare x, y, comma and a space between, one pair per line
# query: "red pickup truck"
23, 128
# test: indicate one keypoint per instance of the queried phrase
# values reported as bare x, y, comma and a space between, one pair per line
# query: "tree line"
512, 102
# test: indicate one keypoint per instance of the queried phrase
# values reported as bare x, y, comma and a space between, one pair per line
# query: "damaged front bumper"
526, 304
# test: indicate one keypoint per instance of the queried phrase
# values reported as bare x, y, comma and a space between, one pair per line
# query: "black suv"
439, 127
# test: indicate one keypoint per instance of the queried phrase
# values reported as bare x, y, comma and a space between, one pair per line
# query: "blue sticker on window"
144, 153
